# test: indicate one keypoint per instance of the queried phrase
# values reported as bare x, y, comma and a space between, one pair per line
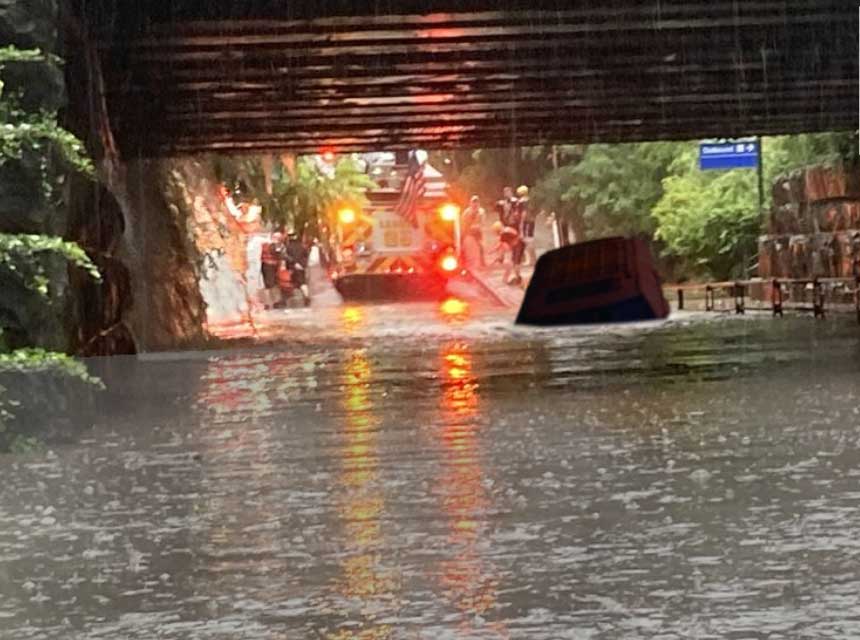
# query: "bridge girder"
193, 76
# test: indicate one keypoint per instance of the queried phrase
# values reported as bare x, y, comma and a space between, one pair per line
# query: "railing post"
776, 298
740, 298
680, 299
857, 297
817, 299
709, 298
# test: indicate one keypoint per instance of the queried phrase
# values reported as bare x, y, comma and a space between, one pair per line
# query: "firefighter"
472, 222
506, 207
510, 240
527, 217
296, 257
271, 255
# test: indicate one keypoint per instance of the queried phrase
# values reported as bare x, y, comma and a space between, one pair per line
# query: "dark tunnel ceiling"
227, 76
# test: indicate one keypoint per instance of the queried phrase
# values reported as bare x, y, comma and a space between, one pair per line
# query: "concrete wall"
219, 242
186, 254
172, 257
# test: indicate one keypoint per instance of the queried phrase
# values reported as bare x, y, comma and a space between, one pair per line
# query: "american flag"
413, 191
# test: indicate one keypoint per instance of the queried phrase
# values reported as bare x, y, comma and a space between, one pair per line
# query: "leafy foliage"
613, 187
786, 153
708, 221
39, 360
485, 172
14, 54
39, 133
20, 254
24, 256
712, 219
304, 191
22, 131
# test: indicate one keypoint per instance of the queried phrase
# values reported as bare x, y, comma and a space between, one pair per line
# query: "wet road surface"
424, 472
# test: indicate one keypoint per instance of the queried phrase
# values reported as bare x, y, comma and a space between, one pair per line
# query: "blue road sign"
728, 155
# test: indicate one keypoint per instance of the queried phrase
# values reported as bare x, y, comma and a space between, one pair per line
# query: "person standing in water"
472, 223
506, 207
296, 258
272, 253
510, 240
527, 218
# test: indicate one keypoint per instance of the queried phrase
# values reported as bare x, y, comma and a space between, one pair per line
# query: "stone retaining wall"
814, 226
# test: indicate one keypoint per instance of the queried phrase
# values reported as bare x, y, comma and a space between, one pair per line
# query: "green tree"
616, 186
703, 223
711, 219
303, 192
783, 154
485, 172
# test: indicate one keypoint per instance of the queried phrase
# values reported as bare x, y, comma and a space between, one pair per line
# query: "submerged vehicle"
378, 253
607, 280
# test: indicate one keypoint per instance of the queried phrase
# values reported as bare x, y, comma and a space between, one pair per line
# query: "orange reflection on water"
362, 504
466, 577
353, 320
460, 398
455, 309
375, 633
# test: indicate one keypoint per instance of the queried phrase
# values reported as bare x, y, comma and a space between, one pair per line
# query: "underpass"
387, 472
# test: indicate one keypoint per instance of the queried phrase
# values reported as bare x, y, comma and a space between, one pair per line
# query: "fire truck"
377, 254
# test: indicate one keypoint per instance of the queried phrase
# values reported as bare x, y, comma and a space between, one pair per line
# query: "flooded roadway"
423, 472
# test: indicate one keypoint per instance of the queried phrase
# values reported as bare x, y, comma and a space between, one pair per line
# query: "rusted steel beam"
155, 16
506, 129
555, 50
441, 140
455, 108
394, 70
181, 98
129, 78
519, 34
346, 12
395, 140
689, 127
529, 123
222, 75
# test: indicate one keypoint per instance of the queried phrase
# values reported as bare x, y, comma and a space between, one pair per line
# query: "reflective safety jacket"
272, 253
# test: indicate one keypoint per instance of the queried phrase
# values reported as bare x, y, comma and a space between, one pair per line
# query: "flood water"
418, 472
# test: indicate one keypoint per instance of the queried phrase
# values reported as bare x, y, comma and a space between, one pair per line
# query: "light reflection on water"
696, 479
467, 579
361, 503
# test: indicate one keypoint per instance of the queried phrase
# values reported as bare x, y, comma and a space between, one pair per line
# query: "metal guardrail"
739, 290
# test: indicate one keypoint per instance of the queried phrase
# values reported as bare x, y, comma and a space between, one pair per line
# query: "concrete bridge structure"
216, 75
